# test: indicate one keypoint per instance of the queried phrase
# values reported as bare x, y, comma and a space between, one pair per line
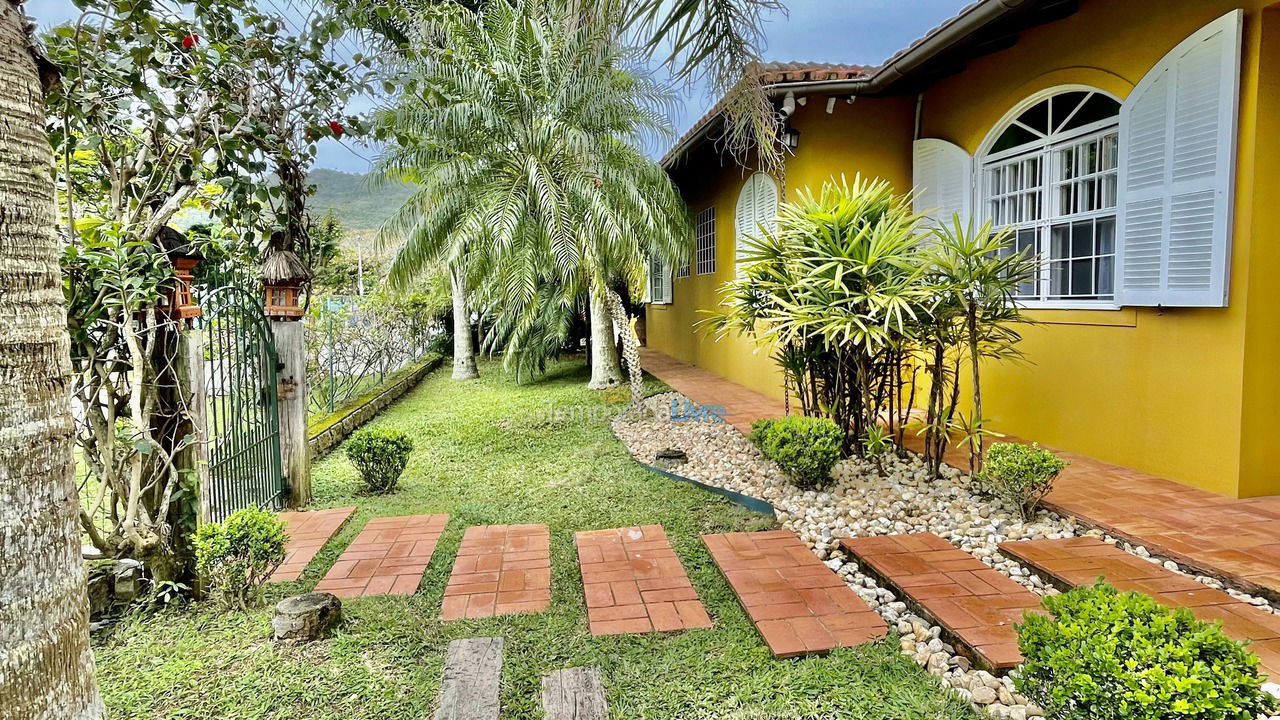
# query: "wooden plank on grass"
574, 694
472, 673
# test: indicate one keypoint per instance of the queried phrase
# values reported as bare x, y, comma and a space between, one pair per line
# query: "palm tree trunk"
606, 371
464, 353
630, 343
46, 667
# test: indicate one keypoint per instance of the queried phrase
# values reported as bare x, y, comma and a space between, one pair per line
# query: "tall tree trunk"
46, 667
606, 371
464, 352
630, 343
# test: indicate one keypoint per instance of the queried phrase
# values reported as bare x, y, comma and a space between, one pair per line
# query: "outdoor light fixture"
791, 138
183, 257
283, 277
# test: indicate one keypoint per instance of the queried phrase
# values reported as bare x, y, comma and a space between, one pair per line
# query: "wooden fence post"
294, 393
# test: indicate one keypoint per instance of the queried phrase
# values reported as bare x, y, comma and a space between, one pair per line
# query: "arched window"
757, 205
1049, 173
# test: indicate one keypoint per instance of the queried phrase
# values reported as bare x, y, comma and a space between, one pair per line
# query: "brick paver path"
742, 405
1079, 561
388, 557
634, 583
500, 569
798, 604
308, 531
1237, 541
974, 604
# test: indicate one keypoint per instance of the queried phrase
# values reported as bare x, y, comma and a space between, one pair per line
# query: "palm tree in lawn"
522, 136
46, 667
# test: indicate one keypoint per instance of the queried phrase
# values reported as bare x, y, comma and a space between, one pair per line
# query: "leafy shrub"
806, 447
1020, 475
235, 557
380, 456
1107, 655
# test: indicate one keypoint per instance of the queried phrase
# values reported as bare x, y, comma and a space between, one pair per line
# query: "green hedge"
805, 447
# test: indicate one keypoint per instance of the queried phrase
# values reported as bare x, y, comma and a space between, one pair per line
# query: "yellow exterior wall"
1188, 394
871, 136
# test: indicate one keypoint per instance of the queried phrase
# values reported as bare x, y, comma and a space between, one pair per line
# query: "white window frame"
705, 243
1046, 149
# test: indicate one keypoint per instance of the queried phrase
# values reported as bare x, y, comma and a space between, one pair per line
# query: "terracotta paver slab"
975, 605
500, 569
799, 605
1070, 562
388, 557
634, 583
308, 531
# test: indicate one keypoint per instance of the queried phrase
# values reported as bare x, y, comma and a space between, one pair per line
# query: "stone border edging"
753, 504
325, 440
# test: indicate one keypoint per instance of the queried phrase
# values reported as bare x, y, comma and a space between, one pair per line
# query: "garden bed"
326, 431
861, 501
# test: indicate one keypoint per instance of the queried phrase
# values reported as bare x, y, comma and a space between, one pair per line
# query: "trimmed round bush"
1020, 475
236, 556
1107, 655
380, 456
805, 447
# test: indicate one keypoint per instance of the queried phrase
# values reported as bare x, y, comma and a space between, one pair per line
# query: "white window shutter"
1177, 173
757, 205
658, 290
942, 174
666, 284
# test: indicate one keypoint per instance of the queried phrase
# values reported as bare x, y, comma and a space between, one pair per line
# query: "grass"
487, 453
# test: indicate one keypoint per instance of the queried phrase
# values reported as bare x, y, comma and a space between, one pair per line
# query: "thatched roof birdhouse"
284, 275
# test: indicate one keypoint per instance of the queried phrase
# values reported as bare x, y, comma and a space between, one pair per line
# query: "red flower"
336, 127
190, 41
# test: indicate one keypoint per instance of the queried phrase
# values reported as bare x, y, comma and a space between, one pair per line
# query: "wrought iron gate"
245, 469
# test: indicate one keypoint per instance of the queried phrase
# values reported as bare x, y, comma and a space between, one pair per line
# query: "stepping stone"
1070, 562
308, 531
797, 604
472, 674
388, 557
975, 605
500, 569
574, 694
634, 583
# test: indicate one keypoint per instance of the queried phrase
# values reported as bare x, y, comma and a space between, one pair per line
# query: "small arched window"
1050, 174
757, 205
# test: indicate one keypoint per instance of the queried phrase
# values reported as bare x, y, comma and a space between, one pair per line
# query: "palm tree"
522, 137
46, 667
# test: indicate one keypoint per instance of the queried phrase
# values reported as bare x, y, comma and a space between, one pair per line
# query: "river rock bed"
862, 501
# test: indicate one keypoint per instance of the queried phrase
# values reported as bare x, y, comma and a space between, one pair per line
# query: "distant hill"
357, 206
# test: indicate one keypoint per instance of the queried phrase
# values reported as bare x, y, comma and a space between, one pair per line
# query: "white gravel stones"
861, 501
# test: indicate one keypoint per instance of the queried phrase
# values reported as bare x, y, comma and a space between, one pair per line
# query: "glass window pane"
1081, 277
1012, 137
1082, 239
1058, 279
1108, 191
1060, 242
1037, 117
1110, 145
1106, 275
1064, 104
1097, 107
1106, 230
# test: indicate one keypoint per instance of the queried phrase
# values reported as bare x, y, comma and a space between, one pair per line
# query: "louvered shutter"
757, 205
942, 174
666, 284
1177, 173
658, 291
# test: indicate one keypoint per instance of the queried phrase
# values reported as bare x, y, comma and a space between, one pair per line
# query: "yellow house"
1134, 146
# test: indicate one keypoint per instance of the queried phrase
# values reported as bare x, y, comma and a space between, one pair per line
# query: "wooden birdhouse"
283, 278
179, 302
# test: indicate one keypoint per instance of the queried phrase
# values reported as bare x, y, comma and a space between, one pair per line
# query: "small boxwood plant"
380, 456
1020, 475
236, 556
805, 447
1107, 655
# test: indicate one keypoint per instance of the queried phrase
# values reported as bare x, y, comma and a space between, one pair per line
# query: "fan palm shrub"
522, 131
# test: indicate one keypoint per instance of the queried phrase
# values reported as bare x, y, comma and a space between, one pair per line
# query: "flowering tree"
165, 105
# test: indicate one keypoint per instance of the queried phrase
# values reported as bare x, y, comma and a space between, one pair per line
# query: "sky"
859, 32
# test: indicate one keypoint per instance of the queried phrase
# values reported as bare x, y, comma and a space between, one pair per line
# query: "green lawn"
487, 454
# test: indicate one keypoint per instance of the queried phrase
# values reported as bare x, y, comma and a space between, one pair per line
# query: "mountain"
359, 207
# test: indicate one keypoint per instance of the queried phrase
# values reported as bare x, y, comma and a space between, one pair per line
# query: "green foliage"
235, 557
1106, 655
380, 456
805, 447
521, 128
1020, 475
